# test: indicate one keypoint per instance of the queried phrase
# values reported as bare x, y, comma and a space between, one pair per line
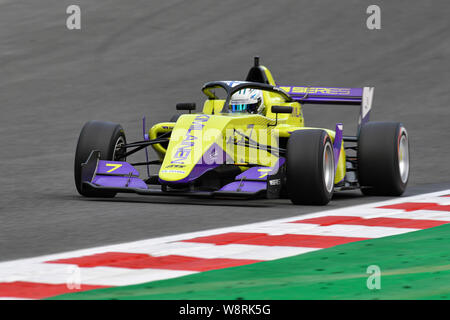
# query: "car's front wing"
121, 177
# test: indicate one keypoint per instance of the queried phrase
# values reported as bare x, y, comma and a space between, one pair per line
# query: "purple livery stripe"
325, 94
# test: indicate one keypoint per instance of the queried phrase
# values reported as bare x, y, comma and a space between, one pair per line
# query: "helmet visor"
244, 107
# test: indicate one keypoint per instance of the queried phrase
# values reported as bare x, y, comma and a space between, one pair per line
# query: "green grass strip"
414, 265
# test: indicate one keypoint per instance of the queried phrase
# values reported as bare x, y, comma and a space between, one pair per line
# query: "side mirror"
186, 106
277, 110
281, 109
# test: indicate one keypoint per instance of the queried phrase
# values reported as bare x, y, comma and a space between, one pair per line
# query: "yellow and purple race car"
250, 140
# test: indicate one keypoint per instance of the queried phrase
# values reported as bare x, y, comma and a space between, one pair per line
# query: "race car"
250, 140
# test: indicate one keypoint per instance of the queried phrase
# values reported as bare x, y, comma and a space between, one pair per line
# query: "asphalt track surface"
139, 58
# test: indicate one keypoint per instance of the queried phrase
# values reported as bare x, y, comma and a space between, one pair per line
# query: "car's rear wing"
338, 96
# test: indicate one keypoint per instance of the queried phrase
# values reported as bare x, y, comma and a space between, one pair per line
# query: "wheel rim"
117, 156
328, 167
403, 158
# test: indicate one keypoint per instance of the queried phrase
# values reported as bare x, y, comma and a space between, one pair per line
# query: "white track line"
60, 273
337, 230
230, 251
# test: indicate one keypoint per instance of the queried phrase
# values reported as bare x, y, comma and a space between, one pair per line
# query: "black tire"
381, 145
102, 136
305, 173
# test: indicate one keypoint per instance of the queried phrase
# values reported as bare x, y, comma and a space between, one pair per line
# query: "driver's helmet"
247, 100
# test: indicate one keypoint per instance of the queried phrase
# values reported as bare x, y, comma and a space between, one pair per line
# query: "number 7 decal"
114, 165
264, 172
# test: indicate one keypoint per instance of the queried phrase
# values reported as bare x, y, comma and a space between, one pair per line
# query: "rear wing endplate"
338, 96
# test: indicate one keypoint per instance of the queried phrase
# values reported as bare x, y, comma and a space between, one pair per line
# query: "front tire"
383, 159
310, 167
105, 137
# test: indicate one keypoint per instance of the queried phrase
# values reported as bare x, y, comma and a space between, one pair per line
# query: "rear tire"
383, 159
310, 167
104, 137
